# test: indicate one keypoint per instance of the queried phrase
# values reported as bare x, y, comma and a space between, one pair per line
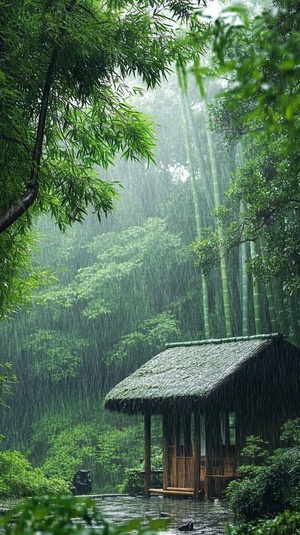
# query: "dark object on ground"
189, 526
82, 482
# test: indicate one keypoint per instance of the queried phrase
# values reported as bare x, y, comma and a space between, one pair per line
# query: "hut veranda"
211, 395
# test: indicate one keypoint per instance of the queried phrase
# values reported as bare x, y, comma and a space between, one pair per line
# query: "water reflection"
208, 517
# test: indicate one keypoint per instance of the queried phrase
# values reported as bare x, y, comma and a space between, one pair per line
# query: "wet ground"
208, 518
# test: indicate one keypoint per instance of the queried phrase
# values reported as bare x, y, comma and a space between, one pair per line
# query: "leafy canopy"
64, 109
258, 111
122, 278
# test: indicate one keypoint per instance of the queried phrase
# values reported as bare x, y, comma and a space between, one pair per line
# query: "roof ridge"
225, 340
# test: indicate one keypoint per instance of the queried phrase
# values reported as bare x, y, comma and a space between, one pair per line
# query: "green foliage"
152, 333
121, 275
70, 357
64, 88
63, 444
19, 276
7, 379
57, 354
258, 108
118, 450
134, 483
256, 451
66, 515
261, 55
70, 449
270, 483
291, 433
114, 259
18, 478
286, 523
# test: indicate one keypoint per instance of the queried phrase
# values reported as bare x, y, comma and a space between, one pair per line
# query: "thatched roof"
190, 370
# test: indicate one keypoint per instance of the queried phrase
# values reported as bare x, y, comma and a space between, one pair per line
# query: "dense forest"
122, 288
201, 243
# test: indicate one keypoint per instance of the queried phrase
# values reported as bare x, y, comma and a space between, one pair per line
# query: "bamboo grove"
122, 289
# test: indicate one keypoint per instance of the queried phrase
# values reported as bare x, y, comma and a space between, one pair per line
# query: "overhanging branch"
25, 201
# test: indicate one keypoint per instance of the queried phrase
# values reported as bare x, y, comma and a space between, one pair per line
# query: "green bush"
118, 451
107, 448
287, 523
18, 478
270, 484
133, 482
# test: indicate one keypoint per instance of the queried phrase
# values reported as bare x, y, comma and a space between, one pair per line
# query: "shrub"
133, 482
287, 523
18, 478
271, 482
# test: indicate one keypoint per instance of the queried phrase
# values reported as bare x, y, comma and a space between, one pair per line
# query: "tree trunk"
26, 200
217, 202
256, 300
195, 192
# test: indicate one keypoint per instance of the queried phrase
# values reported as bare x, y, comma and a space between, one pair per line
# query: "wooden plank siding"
185, 472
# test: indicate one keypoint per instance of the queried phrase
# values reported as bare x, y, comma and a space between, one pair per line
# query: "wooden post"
208, 454
147, 453
197, 453
165, 453
213, 458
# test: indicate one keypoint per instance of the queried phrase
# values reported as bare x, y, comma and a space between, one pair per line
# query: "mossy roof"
189, 370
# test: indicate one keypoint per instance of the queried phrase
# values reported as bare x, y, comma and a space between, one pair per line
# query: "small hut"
211, 395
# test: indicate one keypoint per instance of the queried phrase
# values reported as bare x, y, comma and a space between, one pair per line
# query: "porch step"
174, 490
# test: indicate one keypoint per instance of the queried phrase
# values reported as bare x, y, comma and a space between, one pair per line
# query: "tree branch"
25, 201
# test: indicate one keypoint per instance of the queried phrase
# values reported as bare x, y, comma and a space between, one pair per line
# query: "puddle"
208, 517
